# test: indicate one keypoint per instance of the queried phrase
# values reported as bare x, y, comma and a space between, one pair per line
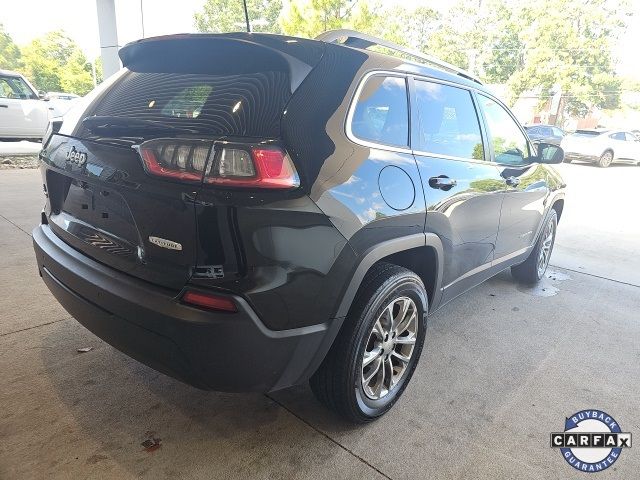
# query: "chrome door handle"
513, 181
442, 182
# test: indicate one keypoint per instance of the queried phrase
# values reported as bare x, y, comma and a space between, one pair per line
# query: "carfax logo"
592, 440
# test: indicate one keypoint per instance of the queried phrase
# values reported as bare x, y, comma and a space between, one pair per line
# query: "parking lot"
502, 367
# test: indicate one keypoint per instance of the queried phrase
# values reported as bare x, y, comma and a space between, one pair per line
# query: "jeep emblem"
77, 157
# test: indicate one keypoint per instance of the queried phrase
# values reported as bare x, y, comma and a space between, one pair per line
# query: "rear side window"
248, 104
381, 114
447, 121
618, 136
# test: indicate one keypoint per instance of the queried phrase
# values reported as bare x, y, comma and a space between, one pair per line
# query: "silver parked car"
602, 147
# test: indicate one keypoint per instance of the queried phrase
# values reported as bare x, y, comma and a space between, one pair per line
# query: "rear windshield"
248, 104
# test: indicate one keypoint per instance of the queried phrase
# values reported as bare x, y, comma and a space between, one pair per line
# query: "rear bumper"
214, 351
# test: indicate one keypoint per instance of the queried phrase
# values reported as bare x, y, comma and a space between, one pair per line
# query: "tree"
55, 62
310, 18
567, 45
219, 16
10, 58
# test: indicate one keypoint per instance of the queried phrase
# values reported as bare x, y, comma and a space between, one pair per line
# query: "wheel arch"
609, 149
558, 206
398, 251
422, 253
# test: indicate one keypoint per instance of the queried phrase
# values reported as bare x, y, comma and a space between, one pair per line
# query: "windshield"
15, 87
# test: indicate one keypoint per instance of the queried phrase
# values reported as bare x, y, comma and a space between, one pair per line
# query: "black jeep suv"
246, 212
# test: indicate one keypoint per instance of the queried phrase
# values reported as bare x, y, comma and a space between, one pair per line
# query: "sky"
26, 19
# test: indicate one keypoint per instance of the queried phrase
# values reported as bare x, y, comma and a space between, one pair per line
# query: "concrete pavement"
15, 149
502, 367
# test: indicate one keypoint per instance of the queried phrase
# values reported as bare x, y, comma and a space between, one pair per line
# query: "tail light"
209, 301
183, 160
224, 164
253, 167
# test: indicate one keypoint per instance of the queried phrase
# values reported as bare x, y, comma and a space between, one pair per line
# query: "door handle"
442, 182
512, 181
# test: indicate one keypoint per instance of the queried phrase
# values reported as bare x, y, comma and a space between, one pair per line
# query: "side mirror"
43, 96
548, 153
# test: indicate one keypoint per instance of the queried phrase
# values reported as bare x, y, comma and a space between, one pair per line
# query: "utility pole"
142, 18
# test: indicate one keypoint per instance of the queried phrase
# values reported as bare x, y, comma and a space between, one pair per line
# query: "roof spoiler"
218, 54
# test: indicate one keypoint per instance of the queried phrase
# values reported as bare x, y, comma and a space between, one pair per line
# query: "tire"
605, 159
533, 268
339, 383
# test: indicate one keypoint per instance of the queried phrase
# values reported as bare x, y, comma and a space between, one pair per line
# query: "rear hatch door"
103, 199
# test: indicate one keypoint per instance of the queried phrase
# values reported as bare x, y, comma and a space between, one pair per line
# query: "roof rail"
352, 38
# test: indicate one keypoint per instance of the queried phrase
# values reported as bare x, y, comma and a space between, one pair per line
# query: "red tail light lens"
210, 301
256, 167
179, 159
228, 165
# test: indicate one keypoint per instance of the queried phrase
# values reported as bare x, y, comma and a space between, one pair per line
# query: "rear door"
633, 146
524, 182
619, 144
463, 189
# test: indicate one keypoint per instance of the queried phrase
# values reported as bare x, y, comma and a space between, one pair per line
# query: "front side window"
447, 121
510, 146
381, 114
15, 87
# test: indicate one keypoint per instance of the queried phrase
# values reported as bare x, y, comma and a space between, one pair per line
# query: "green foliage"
568, 44
312, 17
218, 16
10, 58
54, 62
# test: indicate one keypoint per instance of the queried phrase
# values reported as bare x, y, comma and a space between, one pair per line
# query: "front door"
463, 189
22, 114
524, 182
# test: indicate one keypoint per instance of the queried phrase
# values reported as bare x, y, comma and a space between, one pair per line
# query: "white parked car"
60, 103
23, 114
602, 147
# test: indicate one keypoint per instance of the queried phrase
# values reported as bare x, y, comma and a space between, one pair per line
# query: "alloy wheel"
545, 249
389, 348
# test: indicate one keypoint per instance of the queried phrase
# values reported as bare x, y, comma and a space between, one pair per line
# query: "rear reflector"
209, 301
